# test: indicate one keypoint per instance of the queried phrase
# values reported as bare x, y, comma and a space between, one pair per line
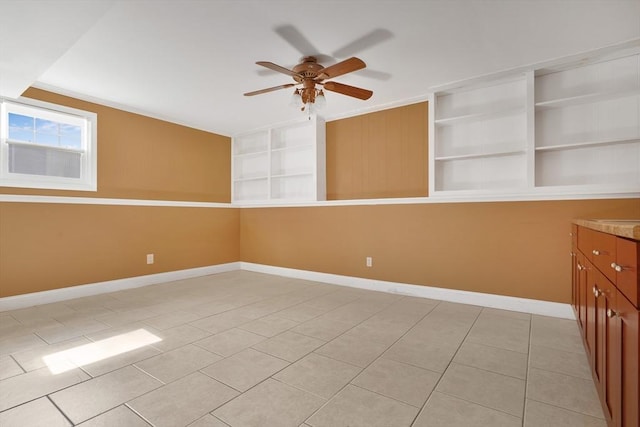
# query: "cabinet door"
629, 328
581, 279
590, 300
608, 346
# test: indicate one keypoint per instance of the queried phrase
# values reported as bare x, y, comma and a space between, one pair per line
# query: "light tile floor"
247, 349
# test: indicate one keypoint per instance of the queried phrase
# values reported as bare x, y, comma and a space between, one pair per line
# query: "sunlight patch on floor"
86, 354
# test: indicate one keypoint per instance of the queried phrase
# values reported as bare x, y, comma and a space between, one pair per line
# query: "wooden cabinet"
604, 274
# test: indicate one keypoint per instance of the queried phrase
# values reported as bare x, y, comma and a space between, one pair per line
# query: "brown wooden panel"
144, 158
51, 246
591, 335
582, 292
628, 257
378, 155
630, 363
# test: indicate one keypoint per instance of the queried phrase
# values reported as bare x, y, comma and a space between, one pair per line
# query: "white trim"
63, 294
544, 308
18, 198
476, 198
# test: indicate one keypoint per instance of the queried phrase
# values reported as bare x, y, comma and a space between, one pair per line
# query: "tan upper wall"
144, 158
519, 249
378, 155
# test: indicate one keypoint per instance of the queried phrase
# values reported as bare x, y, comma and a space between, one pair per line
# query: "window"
45, 145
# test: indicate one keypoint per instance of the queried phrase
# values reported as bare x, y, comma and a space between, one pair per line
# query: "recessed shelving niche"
588, 124
481, 139
284, 163
564, 127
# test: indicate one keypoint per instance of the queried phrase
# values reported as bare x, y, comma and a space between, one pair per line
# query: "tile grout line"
526, 380
568, 410
48, 397
291, 363
446, 369
363, 369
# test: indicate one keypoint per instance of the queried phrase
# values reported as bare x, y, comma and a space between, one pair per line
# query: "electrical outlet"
369, 261
149, 258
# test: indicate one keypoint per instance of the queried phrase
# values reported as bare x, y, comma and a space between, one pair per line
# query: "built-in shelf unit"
571, 126
282, 163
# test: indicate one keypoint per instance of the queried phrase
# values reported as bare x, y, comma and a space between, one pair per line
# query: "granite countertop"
629, 228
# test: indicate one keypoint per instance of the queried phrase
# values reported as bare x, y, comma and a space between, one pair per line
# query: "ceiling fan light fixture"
321, 101
296, 99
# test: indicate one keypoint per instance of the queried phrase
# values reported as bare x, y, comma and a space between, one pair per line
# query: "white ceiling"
190, 61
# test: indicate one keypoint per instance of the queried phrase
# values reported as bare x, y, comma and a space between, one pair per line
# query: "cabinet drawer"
626, 268
603, 252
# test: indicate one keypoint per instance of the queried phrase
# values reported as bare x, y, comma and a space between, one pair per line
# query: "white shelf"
480, 155
586, 99
586, 144
251, 154
447, 121
293, 148
292, 175
256, 178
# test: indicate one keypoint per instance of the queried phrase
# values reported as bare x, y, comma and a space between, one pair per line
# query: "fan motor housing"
307, 69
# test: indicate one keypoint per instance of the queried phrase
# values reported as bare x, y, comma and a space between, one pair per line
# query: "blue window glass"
21, 128
70, 136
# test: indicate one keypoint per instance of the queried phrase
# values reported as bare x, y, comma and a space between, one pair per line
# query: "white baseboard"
63, 294
544, 308
525, 305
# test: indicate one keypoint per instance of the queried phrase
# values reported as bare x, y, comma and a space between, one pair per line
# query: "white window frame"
88, 122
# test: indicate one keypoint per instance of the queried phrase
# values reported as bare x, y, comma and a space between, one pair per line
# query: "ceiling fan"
310, 73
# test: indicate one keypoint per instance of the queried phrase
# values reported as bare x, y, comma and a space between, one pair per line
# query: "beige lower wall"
518, 249
508, 248
51, 246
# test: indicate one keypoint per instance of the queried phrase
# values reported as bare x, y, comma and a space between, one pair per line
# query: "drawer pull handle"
596, 292
580, 267
595, 252
611, 313
617, 267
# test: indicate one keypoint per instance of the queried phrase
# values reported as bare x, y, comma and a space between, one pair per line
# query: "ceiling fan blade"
343, 67
371, 39
271, 89
276, 67
353, 91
